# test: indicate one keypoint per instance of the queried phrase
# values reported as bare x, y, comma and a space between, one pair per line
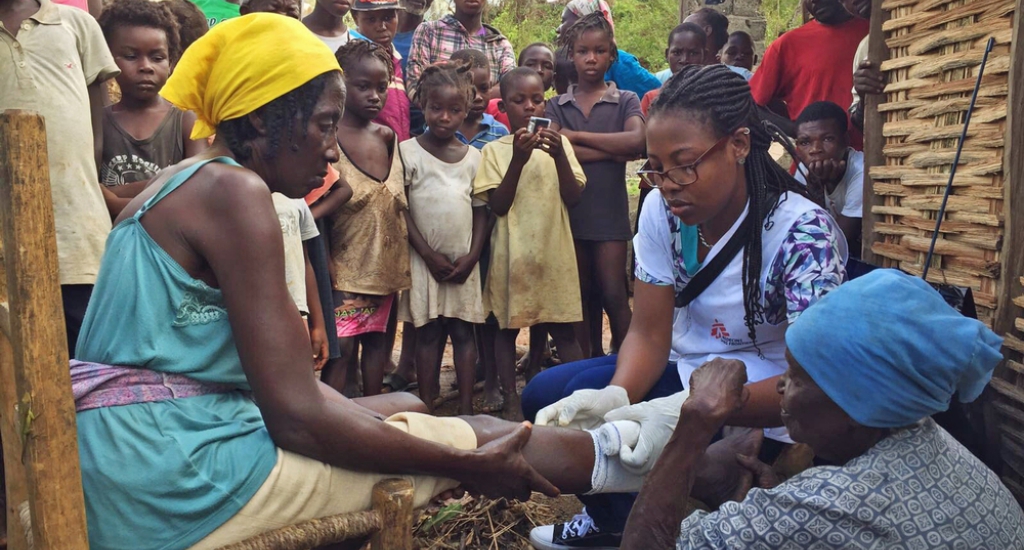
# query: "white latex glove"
584, 409
657, 419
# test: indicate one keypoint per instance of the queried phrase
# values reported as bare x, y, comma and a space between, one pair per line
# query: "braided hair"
720, 100
439, 75
593, 22
279, 116
358, 50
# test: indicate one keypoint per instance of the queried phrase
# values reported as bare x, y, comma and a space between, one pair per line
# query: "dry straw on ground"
487, 524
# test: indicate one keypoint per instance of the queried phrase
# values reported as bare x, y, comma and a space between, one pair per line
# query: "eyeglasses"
685, 174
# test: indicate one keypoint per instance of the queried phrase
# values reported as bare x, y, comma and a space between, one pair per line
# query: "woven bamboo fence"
935, 47
1009, 405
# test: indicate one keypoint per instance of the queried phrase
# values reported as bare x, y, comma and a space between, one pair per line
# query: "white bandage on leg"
609, 476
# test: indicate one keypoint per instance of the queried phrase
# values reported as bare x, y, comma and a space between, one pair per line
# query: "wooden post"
874, 141
16, 491
392, 499
45, 409
14, 470
1013, 191
1012, 256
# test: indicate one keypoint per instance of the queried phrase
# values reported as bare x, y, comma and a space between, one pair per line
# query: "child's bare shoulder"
386, 135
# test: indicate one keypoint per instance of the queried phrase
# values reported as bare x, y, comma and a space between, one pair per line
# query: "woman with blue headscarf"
865, 374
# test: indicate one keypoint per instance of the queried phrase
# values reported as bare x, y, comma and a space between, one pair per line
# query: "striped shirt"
492, 132
436, 41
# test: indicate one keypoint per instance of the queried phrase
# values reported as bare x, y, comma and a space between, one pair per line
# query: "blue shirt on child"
494, 131
628, 74
402, 42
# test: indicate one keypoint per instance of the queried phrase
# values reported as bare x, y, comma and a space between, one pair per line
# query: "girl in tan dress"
447, 229
369, 241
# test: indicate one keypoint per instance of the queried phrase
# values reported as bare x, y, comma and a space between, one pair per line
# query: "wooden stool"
389, 523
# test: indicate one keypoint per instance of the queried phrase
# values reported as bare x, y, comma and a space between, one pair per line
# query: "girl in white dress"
447, 231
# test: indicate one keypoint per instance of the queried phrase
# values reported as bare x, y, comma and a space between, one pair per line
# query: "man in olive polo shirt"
54, 61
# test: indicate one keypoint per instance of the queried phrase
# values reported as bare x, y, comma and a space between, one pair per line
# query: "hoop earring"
742, 160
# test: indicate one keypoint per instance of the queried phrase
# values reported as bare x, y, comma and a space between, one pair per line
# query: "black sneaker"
578, 533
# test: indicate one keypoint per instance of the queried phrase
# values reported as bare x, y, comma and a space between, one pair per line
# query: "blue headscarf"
889, 351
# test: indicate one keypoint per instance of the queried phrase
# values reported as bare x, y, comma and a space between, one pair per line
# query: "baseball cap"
371, 5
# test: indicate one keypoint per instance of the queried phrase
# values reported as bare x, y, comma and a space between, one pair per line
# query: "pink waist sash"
96, 385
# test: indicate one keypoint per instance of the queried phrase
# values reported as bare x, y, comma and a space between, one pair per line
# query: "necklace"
700, 235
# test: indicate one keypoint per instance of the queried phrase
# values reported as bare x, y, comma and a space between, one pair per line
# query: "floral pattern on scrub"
795, 280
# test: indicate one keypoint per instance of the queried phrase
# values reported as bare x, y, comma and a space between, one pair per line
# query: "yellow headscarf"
241, 65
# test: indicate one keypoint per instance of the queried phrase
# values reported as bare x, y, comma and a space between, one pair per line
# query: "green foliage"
781, 16
526, 21
447, 513
641, 26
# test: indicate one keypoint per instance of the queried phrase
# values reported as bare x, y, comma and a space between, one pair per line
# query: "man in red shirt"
812, 63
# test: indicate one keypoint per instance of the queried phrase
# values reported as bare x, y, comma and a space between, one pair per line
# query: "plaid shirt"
436, 41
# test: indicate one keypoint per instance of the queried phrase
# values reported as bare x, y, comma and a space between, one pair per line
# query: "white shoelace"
580, 525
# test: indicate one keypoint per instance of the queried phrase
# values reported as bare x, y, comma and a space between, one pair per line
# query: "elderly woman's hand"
717, 388
764, 476
498, 469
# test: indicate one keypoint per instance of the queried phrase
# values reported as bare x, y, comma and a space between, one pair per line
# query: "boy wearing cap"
377, 21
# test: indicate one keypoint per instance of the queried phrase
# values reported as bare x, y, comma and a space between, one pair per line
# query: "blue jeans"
609, 511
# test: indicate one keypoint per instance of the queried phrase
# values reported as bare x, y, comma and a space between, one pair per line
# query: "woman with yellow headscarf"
200, 420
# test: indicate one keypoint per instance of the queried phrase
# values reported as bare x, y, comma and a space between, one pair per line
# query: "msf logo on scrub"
719, 332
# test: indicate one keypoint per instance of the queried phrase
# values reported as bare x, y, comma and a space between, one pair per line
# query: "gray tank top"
127, 160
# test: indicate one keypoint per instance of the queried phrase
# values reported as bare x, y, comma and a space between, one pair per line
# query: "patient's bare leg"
565, 457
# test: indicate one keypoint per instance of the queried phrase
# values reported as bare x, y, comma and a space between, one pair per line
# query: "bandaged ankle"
609, 476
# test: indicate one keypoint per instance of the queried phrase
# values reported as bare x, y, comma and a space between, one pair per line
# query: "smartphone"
536, 123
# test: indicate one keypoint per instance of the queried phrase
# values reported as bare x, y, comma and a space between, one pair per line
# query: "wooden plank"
5, 318
1008, 411
1012, 342
1007, 312
1015, 367
14, 470
874, 141
41, 374
1013, 205
1009, 391
10, 446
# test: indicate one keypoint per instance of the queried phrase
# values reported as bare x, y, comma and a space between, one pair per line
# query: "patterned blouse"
916, 489
808, 266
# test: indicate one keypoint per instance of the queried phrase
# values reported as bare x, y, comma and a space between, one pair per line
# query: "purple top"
603, 211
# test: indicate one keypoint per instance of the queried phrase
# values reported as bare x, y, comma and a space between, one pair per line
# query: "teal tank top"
163, 475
